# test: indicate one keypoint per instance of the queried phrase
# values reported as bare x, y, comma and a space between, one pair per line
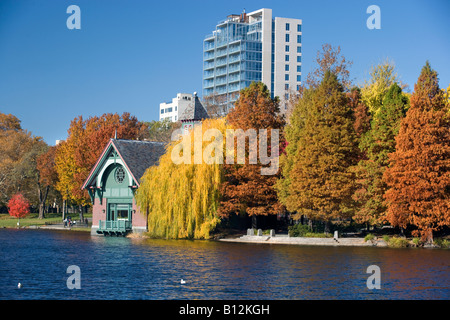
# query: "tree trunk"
254, 222
64, 210
327, 227
80, 211
42, 200
430, 237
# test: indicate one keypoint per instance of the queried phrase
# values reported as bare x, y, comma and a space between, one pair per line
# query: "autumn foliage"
320, 180
419, 173
76, 156
245, 190
18, 206
182, 199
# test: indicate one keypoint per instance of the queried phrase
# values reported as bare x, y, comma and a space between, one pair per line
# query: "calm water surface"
122, 268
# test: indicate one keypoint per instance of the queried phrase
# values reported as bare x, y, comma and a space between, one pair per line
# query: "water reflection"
122, 268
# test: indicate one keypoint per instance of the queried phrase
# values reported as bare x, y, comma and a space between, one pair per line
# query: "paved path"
307, 241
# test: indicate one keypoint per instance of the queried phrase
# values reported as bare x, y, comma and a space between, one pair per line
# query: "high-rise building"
252, 47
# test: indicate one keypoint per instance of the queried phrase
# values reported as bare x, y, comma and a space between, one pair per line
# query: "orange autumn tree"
418, 177
246, 190
86, 140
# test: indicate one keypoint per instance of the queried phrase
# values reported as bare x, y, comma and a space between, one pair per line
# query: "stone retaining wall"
309, 241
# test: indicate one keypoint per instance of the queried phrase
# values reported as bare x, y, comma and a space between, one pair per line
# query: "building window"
299, 39
299, 68
175, 108
299, 28
286, 86
175, 118
299, 49
286, 67
286, 96
119, 175
286, 77
299, 78
162, 111
287, 48
287, 26
298, 87
299, 58
286, 57
287, 37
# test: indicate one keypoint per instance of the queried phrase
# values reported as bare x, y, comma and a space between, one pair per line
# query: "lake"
132, 269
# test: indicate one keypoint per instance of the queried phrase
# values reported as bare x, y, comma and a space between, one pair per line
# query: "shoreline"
264, 239
355, 242
51, 227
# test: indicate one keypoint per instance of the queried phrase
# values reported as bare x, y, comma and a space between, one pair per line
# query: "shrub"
299, 230
442, 243
416, 241
369, 237
396, 242
317, 235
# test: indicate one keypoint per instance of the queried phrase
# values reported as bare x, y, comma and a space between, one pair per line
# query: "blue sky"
130, 55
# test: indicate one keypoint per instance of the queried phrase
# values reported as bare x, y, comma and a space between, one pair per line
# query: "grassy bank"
6, 221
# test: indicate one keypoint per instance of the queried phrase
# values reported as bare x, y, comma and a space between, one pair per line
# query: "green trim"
120, 200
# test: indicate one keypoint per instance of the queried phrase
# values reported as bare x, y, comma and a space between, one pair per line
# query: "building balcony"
208, 66
221, 62
221, 71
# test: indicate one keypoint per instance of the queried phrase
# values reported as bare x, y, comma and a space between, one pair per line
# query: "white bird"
182, 281
19, 285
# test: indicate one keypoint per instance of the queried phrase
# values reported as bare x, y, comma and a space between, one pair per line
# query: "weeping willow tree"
182, 198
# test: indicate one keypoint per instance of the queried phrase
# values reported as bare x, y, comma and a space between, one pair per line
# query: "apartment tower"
252, 47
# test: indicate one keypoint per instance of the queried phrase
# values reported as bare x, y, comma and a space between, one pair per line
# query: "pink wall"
138, 219
97, 212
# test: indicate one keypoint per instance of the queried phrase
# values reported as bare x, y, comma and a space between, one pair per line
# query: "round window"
119, 175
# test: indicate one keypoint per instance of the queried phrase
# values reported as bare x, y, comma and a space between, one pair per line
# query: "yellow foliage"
182, 199
382, 77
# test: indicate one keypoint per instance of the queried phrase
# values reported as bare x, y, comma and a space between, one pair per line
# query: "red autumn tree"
18, 206
418, 177
246, 190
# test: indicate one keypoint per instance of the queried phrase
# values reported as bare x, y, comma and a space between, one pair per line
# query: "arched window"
119, 175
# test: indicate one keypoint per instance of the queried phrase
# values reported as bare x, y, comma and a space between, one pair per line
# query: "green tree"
292, 133
376, 144
382, 77
161, 130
